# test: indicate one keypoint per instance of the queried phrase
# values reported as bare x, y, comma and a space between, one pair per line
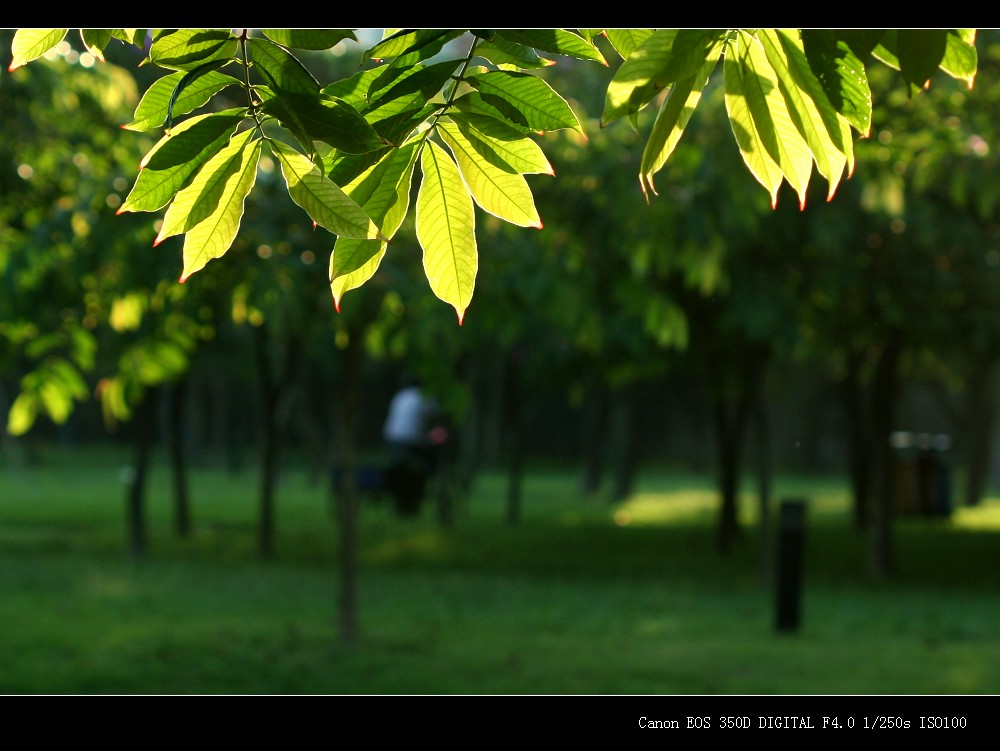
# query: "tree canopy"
439, 122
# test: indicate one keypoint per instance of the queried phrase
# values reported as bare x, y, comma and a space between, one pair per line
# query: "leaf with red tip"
446, 229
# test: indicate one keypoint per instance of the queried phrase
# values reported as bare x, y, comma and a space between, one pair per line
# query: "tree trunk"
979, 415
883, 402
765, 472
178, 458
730, 422
514, 414
623, 439
135, 511
275, 390
859, 440
594, 436
347, 490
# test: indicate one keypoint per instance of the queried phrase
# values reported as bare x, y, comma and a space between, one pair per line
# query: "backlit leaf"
177, 156
751, 147
186, 49
502, 145
771, 117
384, 193
504, 52
309, 39
633, 85
215, 234
324, 201
285, 74
201, 197
828, 135
324, 119
842, 76
526, 97
155, 103
503, 193
446, 229
31, 44
672, 119
554, 41
960, 57
95, 40
625, 41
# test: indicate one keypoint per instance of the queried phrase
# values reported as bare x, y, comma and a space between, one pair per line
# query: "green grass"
581, 597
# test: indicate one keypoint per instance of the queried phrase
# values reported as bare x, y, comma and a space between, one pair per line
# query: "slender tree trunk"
730, 422
765, 472
178, 457
884, 392
980, 410
594, 435
347, 495
859, 440
623, 419
135, 510
275, 387
514, 412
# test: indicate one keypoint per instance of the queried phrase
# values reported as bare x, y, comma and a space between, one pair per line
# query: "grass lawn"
581, 597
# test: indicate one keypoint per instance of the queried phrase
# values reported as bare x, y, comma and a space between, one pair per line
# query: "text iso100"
941, 723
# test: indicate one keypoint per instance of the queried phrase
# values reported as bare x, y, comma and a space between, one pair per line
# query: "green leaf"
446, 229
324, 201
503, 146
861, 41
828, 134
177, 156
344, 168
129, 36
187, 49
214, 235
772, 119
384, 193
920, 52
23, 412
396, 111
155, 103
501, 192
672, 119
842, 76
53, 386
201, 196
625, 41
415, 85
554, 41
322, 119
634, 83
31, 44
960, 57
504, 52
95, 40
396, 126
190, 80
309, 39
748, 139
525, 98
474, 104
284, 73
665, 56
412, 44
353, 89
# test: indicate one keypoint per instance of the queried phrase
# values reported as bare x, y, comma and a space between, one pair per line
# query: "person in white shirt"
406, 434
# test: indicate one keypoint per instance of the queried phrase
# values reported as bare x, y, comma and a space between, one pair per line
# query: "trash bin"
919, 474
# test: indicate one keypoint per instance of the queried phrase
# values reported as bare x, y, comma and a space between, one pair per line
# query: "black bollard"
791, 531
